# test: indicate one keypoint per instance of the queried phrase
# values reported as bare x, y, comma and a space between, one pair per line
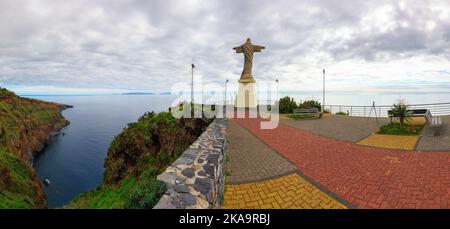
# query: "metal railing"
436, 109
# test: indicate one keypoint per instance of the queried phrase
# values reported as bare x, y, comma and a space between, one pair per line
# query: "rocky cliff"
26, 126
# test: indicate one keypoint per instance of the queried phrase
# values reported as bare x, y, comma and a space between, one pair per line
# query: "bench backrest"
414, 112
307, 110
419, 111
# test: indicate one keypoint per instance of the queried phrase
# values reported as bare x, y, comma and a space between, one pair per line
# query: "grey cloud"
399, 41
150, 44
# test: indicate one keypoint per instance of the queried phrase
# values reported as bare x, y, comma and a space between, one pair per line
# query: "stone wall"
196, 179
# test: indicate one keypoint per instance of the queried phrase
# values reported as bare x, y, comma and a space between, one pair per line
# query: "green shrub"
147, 194
302, 116
399, 129
311, 104
342, 113
105, 196
5, 92
401, 111
287, 105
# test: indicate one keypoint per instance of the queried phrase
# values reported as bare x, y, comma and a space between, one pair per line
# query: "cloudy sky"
50, 46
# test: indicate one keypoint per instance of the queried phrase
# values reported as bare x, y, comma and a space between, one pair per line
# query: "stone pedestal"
246, 97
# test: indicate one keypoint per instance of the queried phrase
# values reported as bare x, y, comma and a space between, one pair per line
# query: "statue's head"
248, 40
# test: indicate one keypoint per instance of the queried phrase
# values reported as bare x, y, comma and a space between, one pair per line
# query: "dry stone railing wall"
196, 179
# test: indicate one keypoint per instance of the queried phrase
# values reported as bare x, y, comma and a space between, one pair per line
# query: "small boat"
46, 182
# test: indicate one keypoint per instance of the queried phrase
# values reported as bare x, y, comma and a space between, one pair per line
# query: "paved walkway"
251, 159
338, 126
260, 177
366, 177
441, 142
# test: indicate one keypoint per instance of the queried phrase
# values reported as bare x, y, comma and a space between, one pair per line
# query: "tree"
401, 111
310, 104
287, 105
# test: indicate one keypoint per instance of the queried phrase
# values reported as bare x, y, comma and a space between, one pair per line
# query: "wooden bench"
434, 122
414, 113
311, 110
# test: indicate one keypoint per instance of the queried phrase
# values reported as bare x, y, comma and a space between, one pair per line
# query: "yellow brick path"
290, 191
390, 141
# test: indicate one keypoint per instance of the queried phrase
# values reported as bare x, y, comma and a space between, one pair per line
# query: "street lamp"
276, 80
323, 96
225, 98
192, 83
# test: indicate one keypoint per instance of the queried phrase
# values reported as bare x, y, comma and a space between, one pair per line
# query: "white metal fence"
382, 111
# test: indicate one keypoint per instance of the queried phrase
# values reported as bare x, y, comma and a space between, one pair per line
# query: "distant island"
138, 93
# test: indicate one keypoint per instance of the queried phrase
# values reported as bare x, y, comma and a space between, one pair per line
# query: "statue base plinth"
247, 78
246, 97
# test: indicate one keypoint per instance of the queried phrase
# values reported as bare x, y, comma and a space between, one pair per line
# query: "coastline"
51, 135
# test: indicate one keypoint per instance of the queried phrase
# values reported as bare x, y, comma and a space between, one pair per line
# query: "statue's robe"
248, 49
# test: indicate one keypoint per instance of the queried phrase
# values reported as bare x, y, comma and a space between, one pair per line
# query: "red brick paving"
364, 176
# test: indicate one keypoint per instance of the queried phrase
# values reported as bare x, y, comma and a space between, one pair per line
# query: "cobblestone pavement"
390, 141
290, 191
250, 159
366, 177
338, 126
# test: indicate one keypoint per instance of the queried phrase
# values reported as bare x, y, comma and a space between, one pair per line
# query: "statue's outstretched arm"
239, 49
258, 48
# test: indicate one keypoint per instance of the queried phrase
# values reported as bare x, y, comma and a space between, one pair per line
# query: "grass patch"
302, 116
397, 129
105, 197
17, 186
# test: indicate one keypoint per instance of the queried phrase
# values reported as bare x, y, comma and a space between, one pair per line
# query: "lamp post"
323, 96
192, 83
276, 80
225, 98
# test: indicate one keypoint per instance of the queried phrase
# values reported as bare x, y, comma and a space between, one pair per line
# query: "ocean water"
74, 161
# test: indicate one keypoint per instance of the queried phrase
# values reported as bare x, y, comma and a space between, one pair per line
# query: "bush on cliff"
18, 187
155, 140
147, 193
